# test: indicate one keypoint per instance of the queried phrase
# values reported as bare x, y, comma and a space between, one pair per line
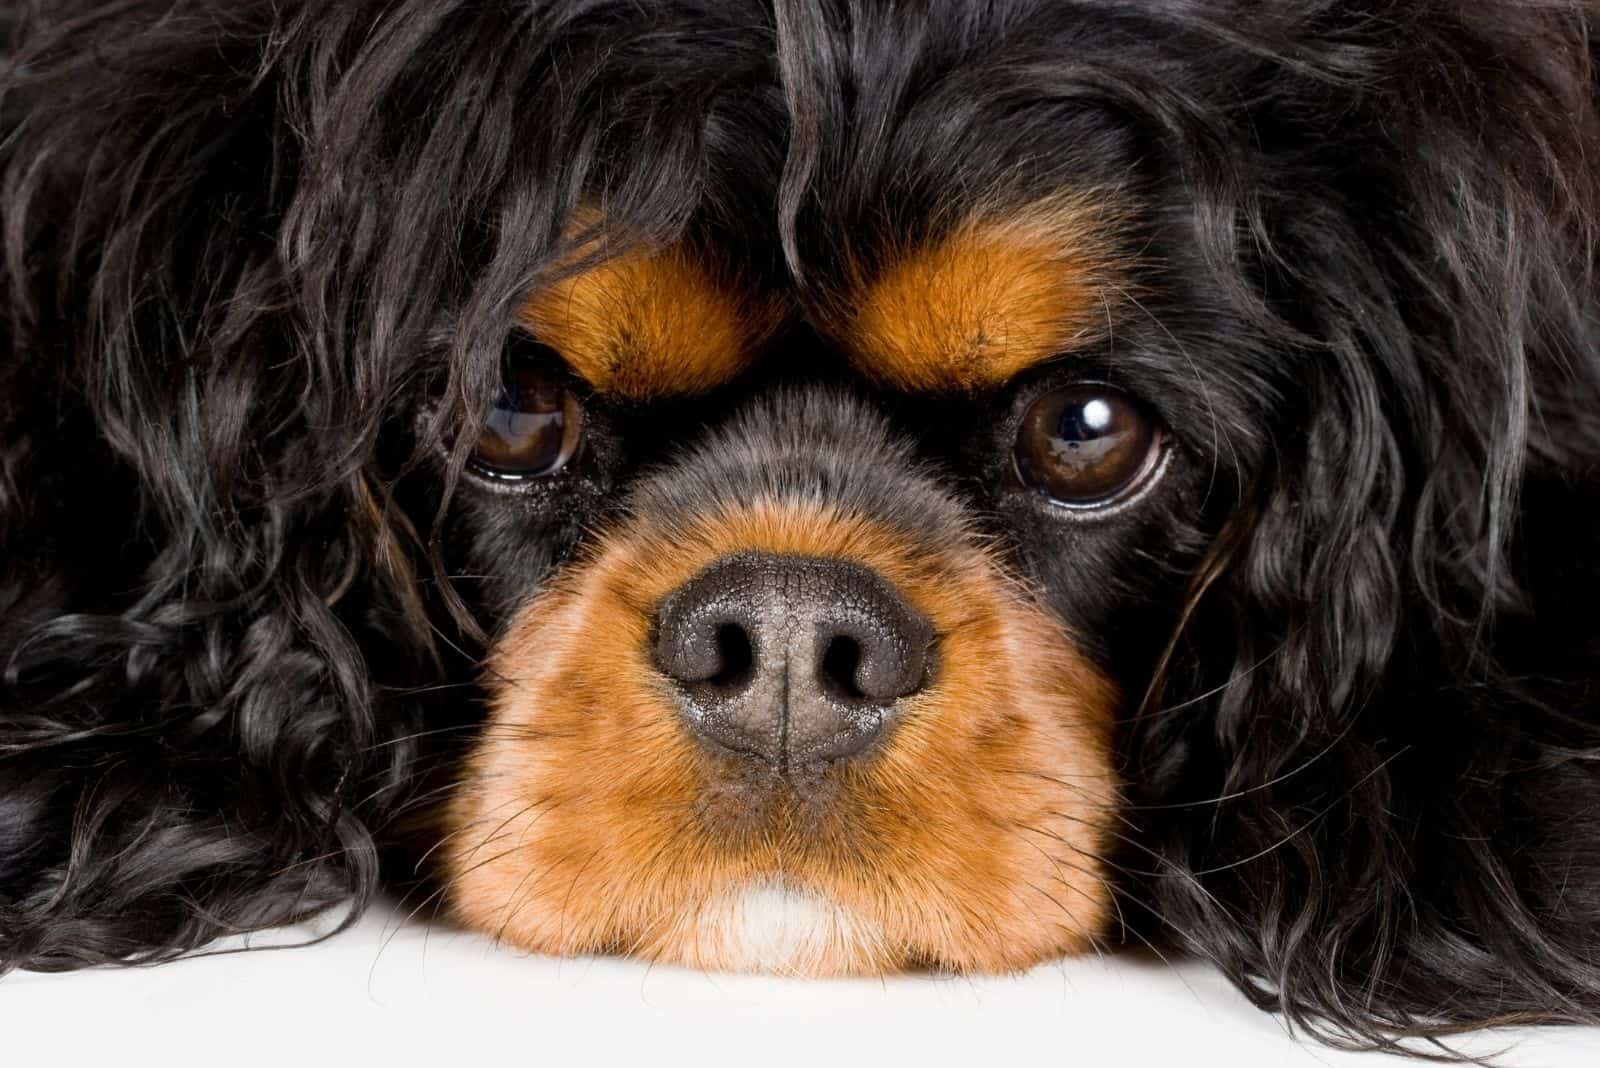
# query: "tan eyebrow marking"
993, 297
651, 324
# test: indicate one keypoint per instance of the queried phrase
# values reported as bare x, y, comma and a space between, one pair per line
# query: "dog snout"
791, 661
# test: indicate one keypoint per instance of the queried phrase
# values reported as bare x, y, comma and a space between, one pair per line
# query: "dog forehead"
968, 308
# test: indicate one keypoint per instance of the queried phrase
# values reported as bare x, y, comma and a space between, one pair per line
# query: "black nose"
792, 660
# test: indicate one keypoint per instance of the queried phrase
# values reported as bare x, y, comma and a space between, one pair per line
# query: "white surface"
394, 993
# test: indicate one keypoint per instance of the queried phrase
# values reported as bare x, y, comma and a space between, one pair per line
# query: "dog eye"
534, 428
1087, 445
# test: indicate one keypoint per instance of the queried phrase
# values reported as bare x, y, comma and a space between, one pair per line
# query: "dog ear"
1333, 812
185, 721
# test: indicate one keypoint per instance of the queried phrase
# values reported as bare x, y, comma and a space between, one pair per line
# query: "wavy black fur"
246, 243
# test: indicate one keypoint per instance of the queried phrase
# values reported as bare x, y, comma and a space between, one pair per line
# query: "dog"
814, 486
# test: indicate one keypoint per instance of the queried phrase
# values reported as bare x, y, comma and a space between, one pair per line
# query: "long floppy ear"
188, 743
1335, 815
233, 233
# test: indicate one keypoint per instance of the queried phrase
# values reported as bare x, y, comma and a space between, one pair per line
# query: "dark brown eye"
533, 430
1086, 445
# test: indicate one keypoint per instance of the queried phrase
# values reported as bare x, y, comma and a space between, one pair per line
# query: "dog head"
816, 590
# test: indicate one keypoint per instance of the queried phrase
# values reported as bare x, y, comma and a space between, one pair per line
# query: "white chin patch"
769, 926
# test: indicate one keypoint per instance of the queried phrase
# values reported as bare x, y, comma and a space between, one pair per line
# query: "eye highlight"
534, 428
1087, 446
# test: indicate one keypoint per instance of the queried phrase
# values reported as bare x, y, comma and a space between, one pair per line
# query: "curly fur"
246, 243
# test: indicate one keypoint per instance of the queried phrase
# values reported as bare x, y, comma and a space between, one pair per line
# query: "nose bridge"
791, 661
792, 447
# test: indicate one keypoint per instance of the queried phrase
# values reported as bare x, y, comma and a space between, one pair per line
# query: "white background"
389, 992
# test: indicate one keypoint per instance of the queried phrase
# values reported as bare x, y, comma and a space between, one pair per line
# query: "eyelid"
522, 349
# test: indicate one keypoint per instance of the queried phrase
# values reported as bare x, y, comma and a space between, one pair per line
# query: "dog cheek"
580, 764
1000, 794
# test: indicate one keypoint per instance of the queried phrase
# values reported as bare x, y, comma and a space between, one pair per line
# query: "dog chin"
774, 926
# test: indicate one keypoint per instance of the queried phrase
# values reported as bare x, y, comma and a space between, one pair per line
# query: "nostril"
737, 656
892, 661
840, 662
875, 664
712, 651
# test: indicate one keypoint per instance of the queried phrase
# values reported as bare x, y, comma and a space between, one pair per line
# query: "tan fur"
967, 841
995, 296
649, 324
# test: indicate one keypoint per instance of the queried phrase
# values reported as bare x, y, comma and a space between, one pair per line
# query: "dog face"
817, 607
807, 486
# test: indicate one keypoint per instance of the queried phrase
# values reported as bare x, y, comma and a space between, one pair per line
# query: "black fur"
260, 262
